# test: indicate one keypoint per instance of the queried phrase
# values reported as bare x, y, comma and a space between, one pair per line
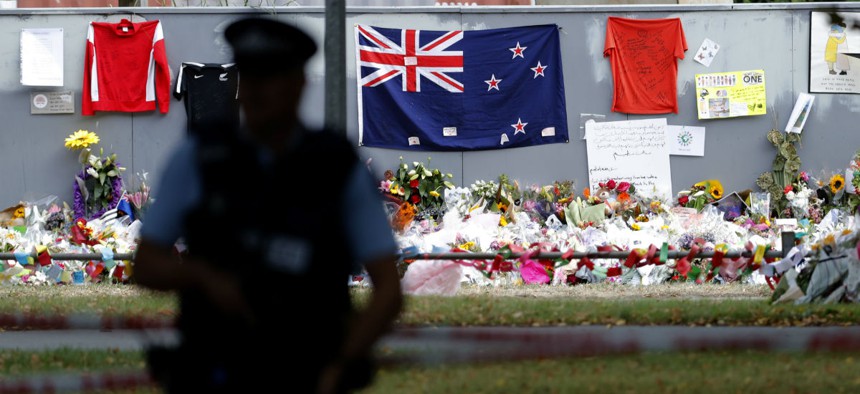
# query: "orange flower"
403, 217
623, 197
586, 192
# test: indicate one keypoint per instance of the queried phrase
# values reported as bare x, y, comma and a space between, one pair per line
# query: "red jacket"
125, 68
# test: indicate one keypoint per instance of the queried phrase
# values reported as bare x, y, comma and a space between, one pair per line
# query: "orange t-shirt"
644, 70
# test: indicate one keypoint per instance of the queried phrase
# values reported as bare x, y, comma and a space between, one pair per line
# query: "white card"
706, 53
686, 140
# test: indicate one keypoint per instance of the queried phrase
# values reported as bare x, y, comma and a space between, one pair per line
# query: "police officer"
264, 300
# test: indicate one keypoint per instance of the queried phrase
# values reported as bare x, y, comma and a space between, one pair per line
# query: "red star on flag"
493, 83
539, 70
518, 51
519, 127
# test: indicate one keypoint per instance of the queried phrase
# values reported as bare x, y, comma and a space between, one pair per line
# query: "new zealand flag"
460, 90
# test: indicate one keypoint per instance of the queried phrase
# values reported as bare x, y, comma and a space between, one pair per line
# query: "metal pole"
335, 65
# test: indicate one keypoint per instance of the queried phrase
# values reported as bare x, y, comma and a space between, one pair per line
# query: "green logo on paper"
685, 138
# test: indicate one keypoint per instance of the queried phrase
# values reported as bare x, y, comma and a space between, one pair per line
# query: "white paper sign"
706, 53
632, 150
799, 113
686, 140
42, 57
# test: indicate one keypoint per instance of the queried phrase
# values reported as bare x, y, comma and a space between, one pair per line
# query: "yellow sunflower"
837, 182
713, 186
81, 139
716, 191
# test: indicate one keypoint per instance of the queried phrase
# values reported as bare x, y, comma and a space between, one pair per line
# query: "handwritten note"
635, 151
42, 57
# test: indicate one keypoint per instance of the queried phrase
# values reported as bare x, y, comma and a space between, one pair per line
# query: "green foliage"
786, 168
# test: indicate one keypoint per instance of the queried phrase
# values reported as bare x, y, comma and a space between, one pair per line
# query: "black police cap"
265, 46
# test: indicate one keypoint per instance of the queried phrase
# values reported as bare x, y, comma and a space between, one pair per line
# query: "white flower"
789, 196
93, 173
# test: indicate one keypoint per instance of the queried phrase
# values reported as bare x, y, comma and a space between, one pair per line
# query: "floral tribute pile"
104, 219
502, 217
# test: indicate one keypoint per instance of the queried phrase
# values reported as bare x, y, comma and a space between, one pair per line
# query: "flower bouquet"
419, 186
98, 186
701, 194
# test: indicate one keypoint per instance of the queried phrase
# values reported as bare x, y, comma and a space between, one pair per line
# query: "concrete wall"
770, 37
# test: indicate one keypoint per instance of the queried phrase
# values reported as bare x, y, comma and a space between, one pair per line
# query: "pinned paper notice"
799, 113
42, 57
504, 139
414, 141
706, 53
686, 140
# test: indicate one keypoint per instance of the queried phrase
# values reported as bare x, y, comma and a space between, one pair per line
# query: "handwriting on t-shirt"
652, 57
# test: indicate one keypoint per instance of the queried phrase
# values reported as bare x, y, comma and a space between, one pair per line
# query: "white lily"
92, 172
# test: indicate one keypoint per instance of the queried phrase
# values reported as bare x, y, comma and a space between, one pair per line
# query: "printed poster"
42, 57
834, 52
731, 94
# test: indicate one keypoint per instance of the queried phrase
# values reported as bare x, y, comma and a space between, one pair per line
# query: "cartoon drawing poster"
731, 94
834, 52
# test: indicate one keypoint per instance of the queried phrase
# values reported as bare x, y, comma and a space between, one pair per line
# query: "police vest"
289, 249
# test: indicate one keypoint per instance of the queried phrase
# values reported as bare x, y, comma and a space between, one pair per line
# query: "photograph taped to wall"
731, 94
834, 52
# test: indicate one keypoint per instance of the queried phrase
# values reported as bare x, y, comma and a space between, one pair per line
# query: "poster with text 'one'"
730, 94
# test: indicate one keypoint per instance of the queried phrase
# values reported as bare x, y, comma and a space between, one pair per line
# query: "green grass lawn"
680, 304
520, 306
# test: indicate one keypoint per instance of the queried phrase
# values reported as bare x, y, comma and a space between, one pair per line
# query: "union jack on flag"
460, 90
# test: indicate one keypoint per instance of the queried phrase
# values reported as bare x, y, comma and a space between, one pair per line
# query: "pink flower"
623, 187
532, 272
804, 176
384, 186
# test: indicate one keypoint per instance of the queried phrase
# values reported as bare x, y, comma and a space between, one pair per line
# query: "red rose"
684, 200
614, 271
413, 183
623, 187
787, 189
415, 198
601, 185
611, 184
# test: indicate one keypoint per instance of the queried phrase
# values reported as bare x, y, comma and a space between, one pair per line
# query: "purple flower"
98, 209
